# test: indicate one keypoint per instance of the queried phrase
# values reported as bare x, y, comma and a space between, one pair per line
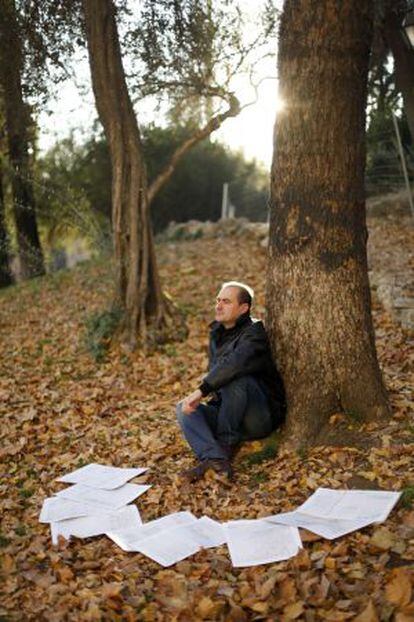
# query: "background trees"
319, 313
75, 179
182, 47
18, 125
35, 39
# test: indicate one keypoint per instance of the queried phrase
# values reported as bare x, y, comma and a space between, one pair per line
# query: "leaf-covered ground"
59, 410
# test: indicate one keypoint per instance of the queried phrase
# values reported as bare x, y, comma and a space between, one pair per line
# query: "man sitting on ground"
245, 390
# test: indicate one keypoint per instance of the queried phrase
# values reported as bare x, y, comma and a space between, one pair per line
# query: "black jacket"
240, 351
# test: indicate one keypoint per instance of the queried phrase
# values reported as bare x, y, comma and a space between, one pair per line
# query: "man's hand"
190, 403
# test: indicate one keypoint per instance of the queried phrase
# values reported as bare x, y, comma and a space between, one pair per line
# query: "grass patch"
407, 497
26, 493
100, 328
259, 478
4, 541
170, 350
354, 416
268, 452
20, 530
303, 453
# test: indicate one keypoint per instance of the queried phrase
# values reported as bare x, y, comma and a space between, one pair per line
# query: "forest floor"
60, 410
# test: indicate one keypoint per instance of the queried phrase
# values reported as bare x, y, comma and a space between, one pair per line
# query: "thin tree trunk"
17, 121
5, 272
403, 62
138, 286
318, 297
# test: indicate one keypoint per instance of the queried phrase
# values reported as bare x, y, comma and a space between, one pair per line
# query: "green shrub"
100, 328
407, 497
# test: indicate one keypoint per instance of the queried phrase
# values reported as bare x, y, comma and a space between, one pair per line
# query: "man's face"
228, 308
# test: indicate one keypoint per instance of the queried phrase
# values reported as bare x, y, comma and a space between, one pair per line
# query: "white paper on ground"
101, 476
208, 532
57, 508
373, 505
88, 526
170, 545
129, 538
112, 499
255, 542
329, 528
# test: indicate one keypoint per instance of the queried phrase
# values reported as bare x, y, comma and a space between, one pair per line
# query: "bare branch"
214, 123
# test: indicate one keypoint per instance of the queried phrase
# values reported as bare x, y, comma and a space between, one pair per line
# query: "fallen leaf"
398, 591
65, 574
368, 614
382, 539
293, 611
207, 608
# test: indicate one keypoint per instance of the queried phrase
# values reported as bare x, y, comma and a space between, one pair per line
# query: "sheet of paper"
57, 508
329, 528
170, 545
101, 476
112, 499
88, 526
129, 538
255, 542
208, 532
374, 505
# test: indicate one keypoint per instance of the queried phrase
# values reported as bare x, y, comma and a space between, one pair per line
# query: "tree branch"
214, 123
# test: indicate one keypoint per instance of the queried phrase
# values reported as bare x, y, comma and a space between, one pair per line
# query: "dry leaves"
60, 410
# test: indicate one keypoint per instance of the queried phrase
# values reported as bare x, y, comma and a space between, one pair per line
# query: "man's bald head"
245, 293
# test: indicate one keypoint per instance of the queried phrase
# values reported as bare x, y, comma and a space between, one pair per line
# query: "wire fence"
389, 170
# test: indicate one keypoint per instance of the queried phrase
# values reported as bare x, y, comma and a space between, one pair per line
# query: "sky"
72, 109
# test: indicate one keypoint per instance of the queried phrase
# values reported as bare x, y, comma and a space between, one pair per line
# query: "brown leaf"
398, 590
287, 589
404, 617
257, 605
293, 611
65, 574
382, 539
308, 536
237, 614
111, 590
368, 614
408, 519
267, 587
207, 608
8, 564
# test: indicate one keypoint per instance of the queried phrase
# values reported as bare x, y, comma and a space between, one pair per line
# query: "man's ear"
245, 308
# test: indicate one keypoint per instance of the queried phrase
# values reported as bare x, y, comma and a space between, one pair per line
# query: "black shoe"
230, 450
222, 467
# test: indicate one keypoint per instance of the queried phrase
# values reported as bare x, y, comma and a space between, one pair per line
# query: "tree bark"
404, 62
318, 296
139, 293
17, 121
5, 272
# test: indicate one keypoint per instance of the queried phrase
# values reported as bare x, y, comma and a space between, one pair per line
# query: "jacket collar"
241, 321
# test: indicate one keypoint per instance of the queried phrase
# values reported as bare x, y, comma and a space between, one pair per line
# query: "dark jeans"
241, 412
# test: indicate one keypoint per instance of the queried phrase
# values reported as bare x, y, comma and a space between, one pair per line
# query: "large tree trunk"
403, 61
5, 272
138, 286
17, 122
318, 297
